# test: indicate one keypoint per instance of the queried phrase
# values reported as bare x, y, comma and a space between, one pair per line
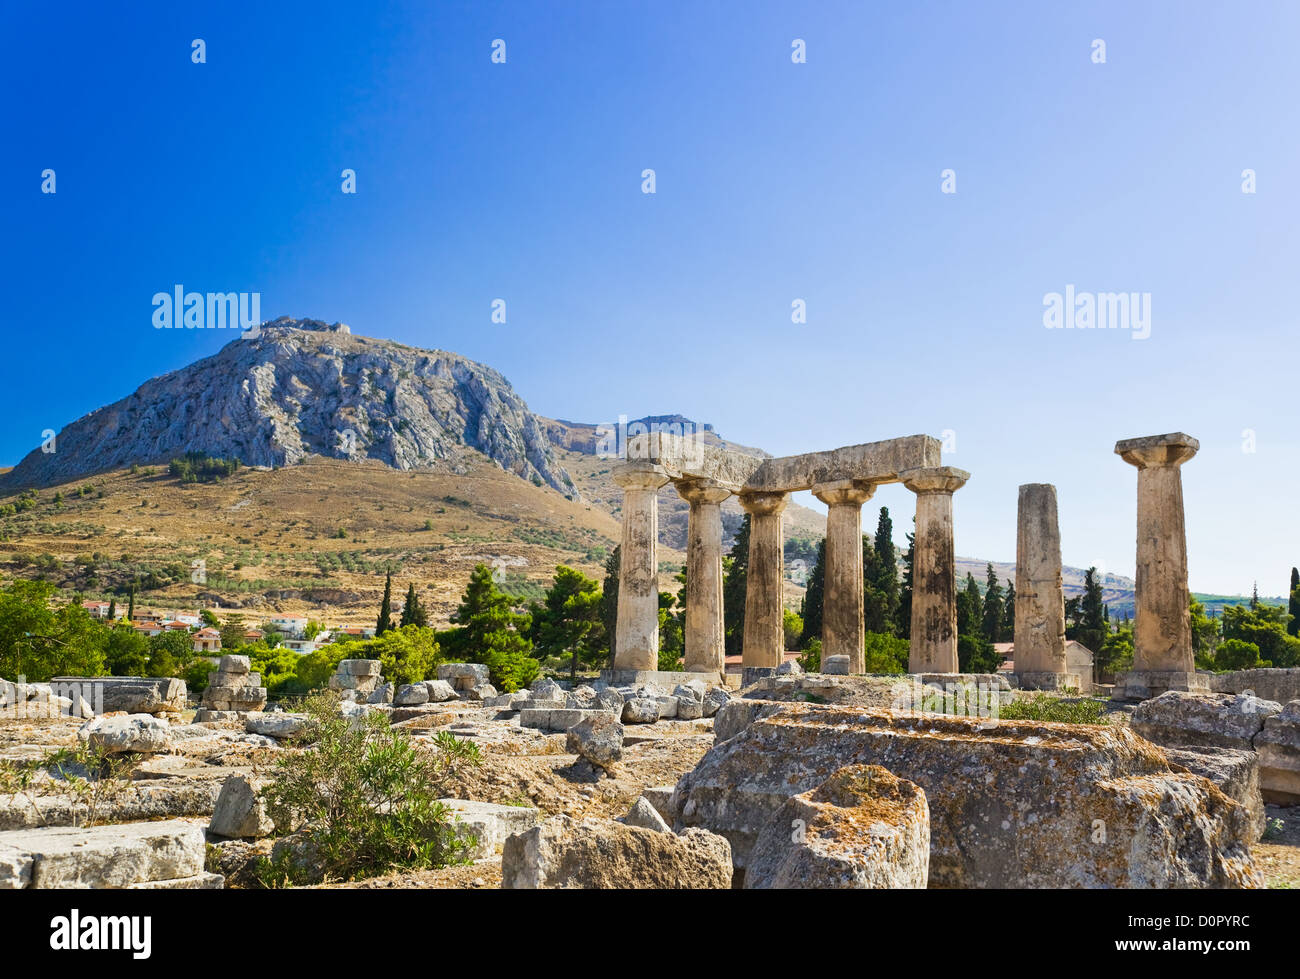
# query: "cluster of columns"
934, 601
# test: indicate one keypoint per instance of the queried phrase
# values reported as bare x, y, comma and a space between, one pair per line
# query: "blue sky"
774, 182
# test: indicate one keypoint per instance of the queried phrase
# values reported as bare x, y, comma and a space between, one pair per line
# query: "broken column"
637, 635
933, 647
231, 689
704, 636
764, 645
843, 631
1162, 636
1040, 598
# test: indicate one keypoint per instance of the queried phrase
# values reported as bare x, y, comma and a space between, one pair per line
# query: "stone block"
489, 823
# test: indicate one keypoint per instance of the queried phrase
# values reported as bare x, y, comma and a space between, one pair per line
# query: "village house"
207, 641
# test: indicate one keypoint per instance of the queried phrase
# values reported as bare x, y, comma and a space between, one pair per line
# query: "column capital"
934, 479
764, 504
1155, 451
639, 476
697, 490
844, 492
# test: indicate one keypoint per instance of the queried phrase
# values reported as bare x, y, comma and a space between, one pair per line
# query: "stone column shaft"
843, 629
1040, 598
1162, 636
764, 626
637, 638
933, 647
705, 636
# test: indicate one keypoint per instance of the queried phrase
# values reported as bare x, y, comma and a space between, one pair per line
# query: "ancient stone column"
843, 631
1040, 599
705, 639
934, 572
1162, 637
637, 637
764, 629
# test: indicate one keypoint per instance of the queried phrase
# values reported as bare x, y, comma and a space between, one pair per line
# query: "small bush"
1045, 708
363, 799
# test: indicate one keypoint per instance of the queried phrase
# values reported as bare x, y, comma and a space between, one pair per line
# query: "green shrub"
883, 653
512, 670
1045, 708
364, 800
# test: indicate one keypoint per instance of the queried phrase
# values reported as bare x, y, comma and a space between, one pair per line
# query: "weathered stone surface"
658, 796
694, 689
836, 665
490, 824
363, 667
645, 815
1040, 598
610, 699
736, 715
134, 732
667, 707
546, 689
234, 664
279, 725
411, 695
862, 828
704, 634
1281, 685
131, 694
1234, 771
582, 697
714, 699
101, 857
382, 694
440, 691
1279, 756
1012, 803
1207, 719
557, 720
565, 853
689, 709
199, 882
933, 641
764, 633
597, 738
640, 710
636, 644
789, 667
482, 691
239, 813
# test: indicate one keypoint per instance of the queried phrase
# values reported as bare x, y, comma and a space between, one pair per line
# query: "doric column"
1162, 637
764, 629
1040, 599
637, 638
843, 631
705, 638
933, 647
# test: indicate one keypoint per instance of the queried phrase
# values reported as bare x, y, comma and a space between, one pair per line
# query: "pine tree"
734, 582
991, 624
568, 622
814, 594
385, 621
1293, 605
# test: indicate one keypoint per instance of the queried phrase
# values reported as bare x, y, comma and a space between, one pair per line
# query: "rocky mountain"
304, 388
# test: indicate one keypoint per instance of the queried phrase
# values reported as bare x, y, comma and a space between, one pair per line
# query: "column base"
1037, 680
1145, 684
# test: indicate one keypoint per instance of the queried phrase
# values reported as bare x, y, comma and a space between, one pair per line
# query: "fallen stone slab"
131, 694
658, 796
137, 801
1012, 803
360, 667
546, 689
239, 812
1217, 720
1270, 683
1279, 756
640, 710
411, 695
101, 857
490, 824
464, 676
863, 828
440, 691
595, 853
279, 725
141, 733
199, 882
556, 720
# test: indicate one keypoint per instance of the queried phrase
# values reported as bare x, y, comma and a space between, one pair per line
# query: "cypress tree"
609, 600
412, 611
811, 609
1009, 613
385, 621
1293, 605
992, 619
904, 618
733, 589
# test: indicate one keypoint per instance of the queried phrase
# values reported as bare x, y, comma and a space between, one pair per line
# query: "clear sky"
775, 181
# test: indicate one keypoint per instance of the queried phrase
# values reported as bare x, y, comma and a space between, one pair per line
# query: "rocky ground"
519, 767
